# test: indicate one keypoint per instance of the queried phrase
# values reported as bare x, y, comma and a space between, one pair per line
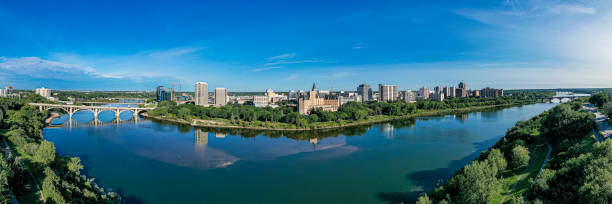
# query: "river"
155, 162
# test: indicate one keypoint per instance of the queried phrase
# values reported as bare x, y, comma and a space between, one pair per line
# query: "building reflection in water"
461, 117
201, 138
220, 135
387, 130
314, 143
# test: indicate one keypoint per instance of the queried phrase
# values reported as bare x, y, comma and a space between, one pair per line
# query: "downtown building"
449, 91
163, 94
44, 92
221, 97
312, 100
365, 91
491, 92
423, 93
410, 96
201, 94
387, 93
461, 91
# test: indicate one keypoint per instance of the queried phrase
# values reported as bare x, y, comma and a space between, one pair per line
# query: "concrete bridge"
71, 109
93, 102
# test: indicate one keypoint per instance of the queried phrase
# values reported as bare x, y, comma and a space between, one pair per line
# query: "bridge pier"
96, 112
71, 109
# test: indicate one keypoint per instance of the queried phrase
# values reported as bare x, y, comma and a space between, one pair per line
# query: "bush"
45, 153
497, 160
520, 157
478, 183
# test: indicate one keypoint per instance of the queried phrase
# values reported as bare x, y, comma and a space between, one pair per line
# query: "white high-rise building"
45, 92
201, 93
220, 96
387, 93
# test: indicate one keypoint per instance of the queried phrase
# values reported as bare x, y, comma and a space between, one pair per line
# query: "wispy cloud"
292, 77
265, 68
519, 12
40, 68
293, 62
282, 57
358, 46
566, 9
288, 59
341, 74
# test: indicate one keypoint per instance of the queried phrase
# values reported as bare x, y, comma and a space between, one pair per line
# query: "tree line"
60, 176
349, 112
579, 168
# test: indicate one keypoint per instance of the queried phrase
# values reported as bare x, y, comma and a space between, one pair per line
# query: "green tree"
497, 160
184, 113
478, 183
607, 109
561, 122
45, 153
424, 199
74, 165
49, 187
520, 157
5, 174
599, 99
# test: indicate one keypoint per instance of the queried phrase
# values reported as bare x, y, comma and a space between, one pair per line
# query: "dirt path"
535, 179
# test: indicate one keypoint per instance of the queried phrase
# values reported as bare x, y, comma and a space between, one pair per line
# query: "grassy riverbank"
577, 171
281, 126
39, 174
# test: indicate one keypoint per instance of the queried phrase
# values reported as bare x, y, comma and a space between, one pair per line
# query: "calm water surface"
154, 162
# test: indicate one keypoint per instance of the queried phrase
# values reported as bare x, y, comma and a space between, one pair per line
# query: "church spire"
314, 86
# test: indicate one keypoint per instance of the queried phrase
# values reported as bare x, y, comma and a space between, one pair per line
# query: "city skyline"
506, 44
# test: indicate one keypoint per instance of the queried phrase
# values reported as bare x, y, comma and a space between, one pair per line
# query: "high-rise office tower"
462, 85
437, 89
220, 96
387, 92
424, 92
365, 91
201, 93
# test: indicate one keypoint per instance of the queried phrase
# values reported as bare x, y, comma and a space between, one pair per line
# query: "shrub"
520, 157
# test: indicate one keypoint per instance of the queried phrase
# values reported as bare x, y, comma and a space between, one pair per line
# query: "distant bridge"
562, 95
71, 109
93, 102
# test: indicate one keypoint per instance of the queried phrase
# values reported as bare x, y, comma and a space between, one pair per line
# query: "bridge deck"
88, 107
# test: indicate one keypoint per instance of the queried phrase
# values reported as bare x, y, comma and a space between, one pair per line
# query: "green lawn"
509, 177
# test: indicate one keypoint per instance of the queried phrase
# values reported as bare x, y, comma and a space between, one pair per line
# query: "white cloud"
565, 9
358, 46
286, 59
292, 77
265, 68
282, 57
294, 62
40, 68
341, 74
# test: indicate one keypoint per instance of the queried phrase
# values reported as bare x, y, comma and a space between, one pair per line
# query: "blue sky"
254, 45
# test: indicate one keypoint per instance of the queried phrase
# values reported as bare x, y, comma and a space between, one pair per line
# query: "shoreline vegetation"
515, 169
33, 170
338, 125
286, 117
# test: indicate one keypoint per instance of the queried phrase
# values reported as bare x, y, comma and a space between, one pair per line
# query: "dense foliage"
34, 161
579, 169
351, 111
599, 99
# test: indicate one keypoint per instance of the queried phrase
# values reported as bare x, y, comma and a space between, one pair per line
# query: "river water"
155, 162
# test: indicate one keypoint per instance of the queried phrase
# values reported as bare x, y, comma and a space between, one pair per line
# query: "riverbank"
323, 125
